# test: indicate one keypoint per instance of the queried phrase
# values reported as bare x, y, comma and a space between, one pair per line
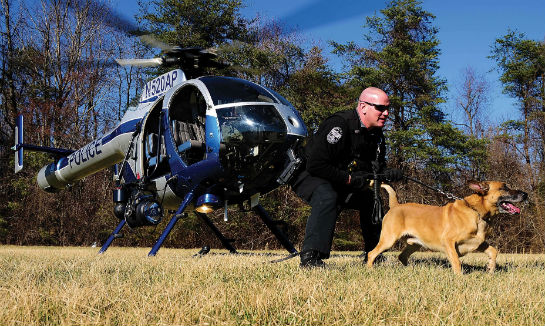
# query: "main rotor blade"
110, 17
140, 62
154, 42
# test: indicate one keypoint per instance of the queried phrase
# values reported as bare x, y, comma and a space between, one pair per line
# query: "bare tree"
69, 77
129, 80
56, 69
10, 89
472, 100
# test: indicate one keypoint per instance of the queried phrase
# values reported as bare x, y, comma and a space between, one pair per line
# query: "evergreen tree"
315, 90
522, 64
194, 23
402, 57
206, 24
269, 55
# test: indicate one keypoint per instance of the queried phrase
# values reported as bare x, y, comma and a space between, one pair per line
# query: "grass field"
75, 286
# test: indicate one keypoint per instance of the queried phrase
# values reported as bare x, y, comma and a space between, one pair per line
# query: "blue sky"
467, 30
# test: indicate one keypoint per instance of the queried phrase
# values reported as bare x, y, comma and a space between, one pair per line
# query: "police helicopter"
198, 143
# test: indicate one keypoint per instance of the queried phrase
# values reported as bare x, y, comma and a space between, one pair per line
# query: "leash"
444, 193
378, 213
290, 256
206, 251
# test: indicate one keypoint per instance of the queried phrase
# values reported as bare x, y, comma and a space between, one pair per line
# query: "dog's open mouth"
507, 207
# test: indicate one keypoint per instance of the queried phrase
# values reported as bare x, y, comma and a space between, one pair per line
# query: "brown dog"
456, 228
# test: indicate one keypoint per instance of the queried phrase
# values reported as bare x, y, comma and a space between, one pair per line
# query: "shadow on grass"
466, 268
444, 263
437, 262
471, 268
391, 260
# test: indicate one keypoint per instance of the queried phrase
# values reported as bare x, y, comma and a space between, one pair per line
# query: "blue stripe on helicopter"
151, 99
124, 128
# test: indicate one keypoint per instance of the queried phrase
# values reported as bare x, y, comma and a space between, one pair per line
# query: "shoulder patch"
334, 135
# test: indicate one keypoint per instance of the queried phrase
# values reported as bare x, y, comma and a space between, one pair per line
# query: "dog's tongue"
512, 209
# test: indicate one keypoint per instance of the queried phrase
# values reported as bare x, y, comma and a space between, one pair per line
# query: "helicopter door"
187, 114
155, 151
155, 156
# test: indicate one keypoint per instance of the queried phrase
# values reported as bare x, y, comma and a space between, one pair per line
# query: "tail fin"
18, 148
392, 197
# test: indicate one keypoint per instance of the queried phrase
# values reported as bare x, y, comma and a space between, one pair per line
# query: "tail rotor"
18, 148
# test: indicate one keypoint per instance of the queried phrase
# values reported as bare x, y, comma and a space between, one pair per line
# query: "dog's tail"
392, 197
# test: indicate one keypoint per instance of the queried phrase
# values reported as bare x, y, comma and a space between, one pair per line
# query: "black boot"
311, 259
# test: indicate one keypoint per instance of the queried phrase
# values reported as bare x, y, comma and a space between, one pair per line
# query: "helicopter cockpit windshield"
225, 90
251, 124
252, 129
246, 112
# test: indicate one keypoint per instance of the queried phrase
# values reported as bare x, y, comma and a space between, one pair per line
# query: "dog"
456, 228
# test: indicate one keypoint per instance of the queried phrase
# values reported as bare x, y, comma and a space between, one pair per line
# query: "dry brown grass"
75, 286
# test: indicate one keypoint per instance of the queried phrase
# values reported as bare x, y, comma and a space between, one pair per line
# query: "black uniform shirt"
340, 139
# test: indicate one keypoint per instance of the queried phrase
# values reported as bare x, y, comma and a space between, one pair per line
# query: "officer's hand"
359, 180
393, 175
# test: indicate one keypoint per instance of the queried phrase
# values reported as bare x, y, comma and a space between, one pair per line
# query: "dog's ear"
479, 187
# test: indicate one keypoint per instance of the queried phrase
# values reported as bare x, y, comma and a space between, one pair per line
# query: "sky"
467, 30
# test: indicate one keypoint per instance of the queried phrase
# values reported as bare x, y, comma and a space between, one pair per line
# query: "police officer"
329, 184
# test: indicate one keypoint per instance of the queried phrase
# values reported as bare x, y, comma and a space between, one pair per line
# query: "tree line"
57, 70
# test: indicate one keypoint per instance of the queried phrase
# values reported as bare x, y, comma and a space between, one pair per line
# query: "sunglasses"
378, 107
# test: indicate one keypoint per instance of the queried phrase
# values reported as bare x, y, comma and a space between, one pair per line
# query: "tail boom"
70, 165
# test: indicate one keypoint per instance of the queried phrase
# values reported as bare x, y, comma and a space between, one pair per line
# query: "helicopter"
199, 143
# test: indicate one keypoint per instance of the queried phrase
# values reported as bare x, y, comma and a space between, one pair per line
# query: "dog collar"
476, 211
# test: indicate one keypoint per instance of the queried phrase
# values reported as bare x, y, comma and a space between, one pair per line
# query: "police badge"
334, 135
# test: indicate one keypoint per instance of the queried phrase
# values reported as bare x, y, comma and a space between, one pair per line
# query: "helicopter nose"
293, 121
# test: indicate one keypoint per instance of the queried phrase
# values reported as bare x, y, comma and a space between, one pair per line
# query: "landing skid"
173, 220
224, 241
270, 223
261, 212
273, 226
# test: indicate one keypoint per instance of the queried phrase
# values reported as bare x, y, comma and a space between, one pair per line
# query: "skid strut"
171, 224
224, 241
113, 236
272, 225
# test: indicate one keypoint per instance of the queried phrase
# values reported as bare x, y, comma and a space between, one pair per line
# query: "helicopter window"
279, 97
187, 117
224, 90
154, 143
151, 144
251, 124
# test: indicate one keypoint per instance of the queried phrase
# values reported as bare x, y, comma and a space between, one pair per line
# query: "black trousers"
327, 203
